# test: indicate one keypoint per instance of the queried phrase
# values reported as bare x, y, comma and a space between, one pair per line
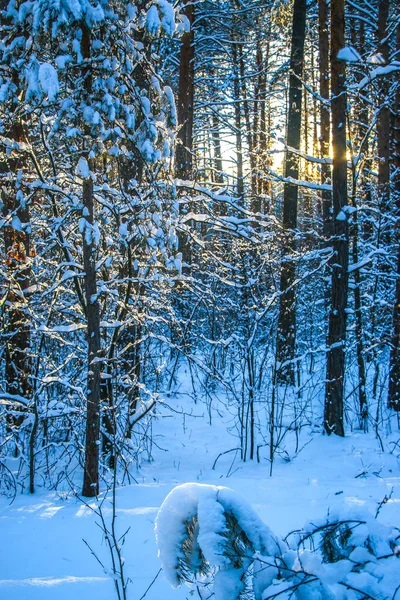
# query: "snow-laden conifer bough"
209, 535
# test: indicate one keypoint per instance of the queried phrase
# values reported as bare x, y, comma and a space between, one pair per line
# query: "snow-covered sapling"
207, 532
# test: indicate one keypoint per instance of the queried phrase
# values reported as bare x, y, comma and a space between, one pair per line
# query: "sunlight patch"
354, 500
32, 507
50, 581
50, 512
85, 511
141, 510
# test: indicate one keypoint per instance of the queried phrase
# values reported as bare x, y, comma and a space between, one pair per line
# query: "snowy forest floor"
42, 553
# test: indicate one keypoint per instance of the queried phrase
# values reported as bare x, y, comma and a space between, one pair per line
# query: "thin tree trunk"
323, 44
238, 121
263, 187
216, 140
315, 112
184, 148
91, 472
334, 390
250, 133
267, 187
260, 119
394, 365
286, 334
362, 378
185, 101
358, 42
17, 248
256, 203
91, 468
383, 121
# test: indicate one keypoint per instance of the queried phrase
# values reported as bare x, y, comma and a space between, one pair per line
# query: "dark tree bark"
216, 140
361, 118
238, 123
250, 133
286, 334
17, 246
185, 102
323, 45
184, 148
256, 200
267, 181
362, 376
334, 390
18, 249
91, 471
217, 172
91, 467
262, 181
260, 126
383, 120
394, 365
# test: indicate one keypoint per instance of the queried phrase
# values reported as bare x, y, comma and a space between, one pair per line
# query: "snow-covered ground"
42, 553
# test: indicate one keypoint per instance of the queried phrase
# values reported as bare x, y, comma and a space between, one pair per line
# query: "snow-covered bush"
347, 556
205, 530
210, 535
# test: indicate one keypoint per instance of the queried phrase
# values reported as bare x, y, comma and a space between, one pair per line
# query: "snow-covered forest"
200, 299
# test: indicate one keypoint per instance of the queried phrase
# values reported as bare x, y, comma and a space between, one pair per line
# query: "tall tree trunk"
315, 110
362, 376
267, 182
260, 122
323, 45
238, 120
256, 201
250, 133
263, 183
17, 248
358, 145
184, 148
91, 471
394, 365
216, 141
334, 390
383, 121
286, 334
91, 467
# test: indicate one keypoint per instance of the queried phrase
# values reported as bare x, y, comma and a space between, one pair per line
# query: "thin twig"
159, 571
